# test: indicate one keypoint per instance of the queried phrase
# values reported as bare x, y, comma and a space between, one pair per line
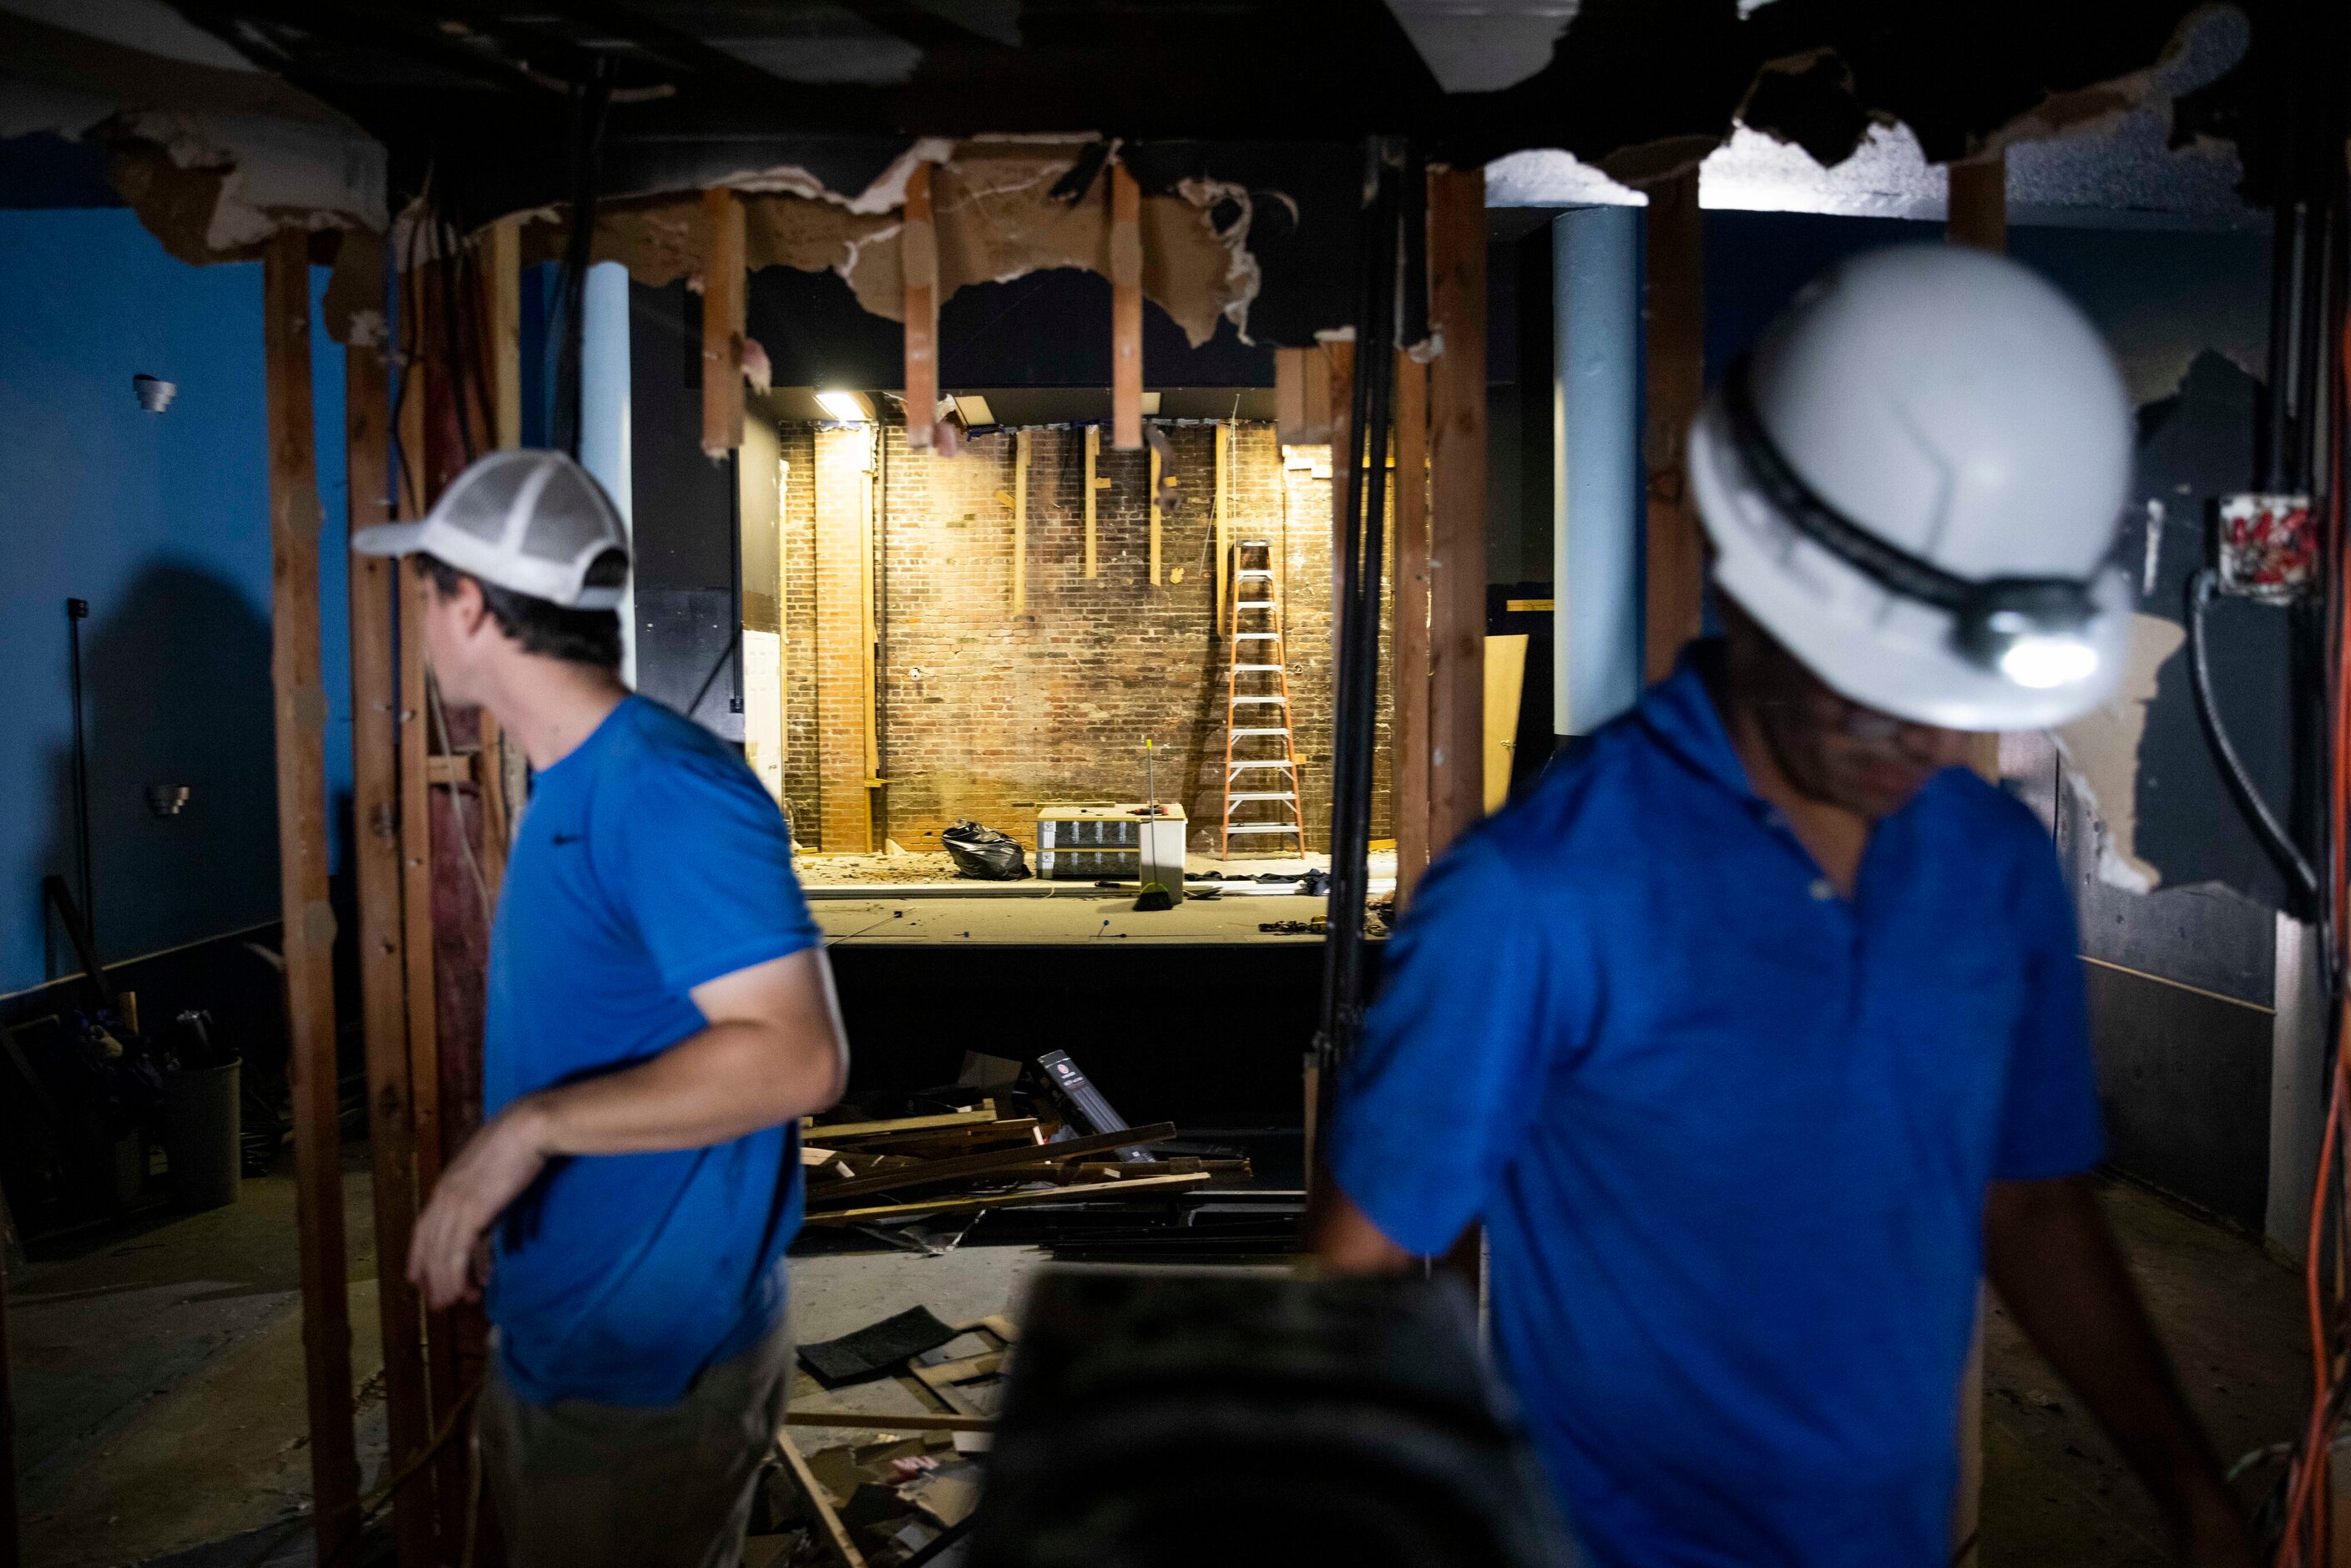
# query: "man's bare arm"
774, 1050
2055, 1264
1344, 1239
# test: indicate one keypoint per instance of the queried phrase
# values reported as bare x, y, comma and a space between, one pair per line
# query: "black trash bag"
984, 854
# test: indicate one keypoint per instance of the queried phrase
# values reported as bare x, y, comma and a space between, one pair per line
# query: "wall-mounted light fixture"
847, 407
153, 393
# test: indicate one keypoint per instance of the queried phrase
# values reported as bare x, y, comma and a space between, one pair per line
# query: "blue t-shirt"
650, 861
1729, 1134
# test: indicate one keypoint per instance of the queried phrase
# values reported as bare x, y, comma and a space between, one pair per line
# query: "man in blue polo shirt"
660, 1018
1756, 1035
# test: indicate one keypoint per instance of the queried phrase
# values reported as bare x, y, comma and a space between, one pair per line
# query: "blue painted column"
604, 434
1596, 477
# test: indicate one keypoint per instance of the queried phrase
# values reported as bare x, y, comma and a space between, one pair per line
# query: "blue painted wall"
162, 524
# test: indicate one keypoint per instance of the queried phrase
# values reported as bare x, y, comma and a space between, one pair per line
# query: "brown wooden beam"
1339, 380
1677, 382
1457, 526
918, 254
725, 296
1408, 728
1979, 202
301, 709
1125, 309
502, 270
411, 495
375, 811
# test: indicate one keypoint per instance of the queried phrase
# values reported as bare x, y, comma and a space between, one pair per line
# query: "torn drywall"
213, 159
2101, 750
1002, 212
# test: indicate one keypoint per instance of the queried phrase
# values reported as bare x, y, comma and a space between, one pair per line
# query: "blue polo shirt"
650, 861
1729, 1132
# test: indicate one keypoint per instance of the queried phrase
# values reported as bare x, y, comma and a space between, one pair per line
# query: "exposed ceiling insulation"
1001, 210
2129, 165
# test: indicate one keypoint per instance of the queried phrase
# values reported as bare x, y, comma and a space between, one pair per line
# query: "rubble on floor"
1038, 1136
850, 1487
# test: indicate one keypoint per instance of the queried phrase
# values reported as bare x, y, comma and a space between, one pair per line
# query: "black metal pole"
590, 101
78, 612
1358, 569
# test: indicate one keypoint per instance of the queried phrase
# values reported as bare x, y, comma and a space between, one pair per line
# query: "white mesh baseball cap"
530, 522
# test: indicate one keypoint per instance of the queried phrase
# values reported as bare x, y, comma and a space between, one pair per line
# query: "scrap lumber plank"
940, 1141
726, 288
929, 1421
994, 1162
1125, 309
300, 710
834, 1533
940, 1381
375, 812
918, 261
1676, 377
966, 1369
833, 1132
1457, 551
1003, 1200
1408, 732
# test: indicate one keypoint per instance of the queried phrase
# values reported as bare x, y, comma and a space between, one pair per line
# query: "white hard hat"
1914, 483
531, 522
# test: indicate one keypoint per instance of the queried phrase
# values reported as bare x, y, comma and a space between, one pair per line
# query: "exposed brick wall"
985, 714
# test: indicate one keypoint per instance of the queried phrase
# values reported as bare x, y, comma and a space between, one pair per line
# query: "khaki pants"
582, 1485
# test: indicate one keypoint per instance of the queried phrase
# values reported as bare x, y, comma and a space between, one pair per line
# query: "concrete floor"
159, 1382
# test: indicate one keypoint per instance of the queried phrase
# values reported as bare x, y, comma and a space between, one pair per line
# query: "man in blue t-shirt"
1755, 1035
661, 1015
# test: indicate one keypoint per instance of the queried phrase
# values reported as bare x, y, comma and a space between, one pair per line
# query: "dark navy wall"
162, 524
2181, 978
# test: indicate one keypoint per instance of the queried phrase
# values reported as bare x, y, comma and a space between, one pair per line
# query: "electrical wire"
2202, 588
2299, 1509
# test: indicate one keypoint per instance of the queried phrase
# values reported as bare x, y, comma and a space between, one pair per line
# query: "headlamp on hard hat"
2032, 631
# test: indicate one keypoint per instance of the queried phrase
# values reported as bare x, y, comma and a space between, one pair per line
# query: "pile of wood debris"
1060, 1142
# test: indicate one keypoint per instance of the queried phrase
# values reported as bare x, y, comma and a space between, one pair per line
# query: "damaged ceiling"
1242, 119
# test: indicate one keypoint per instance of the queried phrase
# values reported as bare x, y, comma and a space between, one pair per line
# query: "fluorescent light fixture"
1149, 403
848, 407
973, 409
